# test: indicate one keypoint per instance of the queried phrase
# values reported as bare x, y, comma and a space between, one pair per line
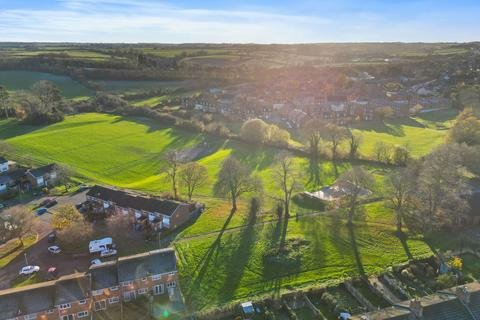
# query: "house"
42, 177
72, 297
159, 213
3, 164
152, 272
59, 299
102, 289
105, 288
5, 182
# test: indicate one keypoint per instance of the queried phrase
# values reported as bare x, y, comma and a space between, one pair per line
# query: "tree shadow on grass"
356, 253
403, 239
238, 259
314, 173
201, 269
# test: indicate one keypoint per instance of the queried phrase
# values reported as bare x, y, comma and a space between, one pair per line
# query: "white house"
3, 164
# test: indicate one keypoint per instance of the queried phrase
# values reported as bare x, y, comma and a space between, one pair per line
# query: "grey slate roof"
126, 199
72, 288
104, 275
26, 300
146, 264
40, 171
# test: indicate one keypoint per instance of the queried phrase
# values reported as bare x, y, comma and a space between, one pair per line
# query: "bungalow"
3, 164
160, 213
42, 177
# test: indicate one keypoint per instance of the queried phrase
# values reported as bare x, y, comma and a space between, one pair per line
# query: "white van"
100, 245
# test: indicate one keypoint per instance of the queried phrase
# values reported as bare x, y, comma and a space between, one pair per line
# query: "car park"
54, 249
27, 270
41, 211
108, 253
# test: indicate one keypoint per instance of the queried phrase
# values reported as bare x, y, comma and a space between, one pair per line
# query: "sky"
249, 21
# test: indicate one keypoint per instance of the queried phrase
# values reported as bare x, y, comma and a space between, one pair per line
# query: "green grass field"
418, 134
220, 267
23, 80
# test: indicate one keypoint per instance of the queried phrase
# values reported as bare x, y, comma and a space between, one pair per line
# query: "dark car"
52, 237
41, 211
51, 203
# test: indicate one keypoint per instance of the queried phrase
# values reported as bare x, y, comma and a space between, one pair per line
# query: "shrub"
446, 280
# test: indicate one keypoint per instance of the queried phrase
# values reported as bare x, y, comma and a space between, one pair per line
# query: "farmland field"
23, 80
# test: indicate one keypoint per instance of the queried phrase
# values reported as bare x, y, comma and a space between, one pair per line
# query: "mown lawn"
419, 138
28, 241
234, 266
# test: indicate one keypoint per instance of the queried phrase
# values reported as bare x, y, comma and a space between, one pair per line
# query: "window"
142, 291
156, 277
64, 306
115, 288
172, 284
97, 292
129, 295
30, 316
127, 283
113, 300
82, 314
100, 305
67, 317
158, 289
144, 279
82, 302
50, 311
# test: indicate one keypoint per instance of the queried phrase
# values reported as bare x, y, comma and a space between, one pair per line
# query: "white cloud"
146, 21
161, 21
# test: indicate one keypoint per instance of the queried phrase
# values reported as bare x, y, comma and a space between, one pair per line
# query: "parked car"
2, 205
54, 249
44, 202
29, 270
51, 203
108, 253
52, 273
100, 245
95, 261
52, 237
41, 211
83, 187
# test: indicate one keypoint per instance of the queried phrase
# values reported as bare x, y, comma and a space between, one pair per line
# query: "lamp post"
26, 260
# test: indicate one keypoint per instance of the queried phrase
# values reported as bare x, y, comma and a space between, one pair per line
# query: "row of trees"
41, 104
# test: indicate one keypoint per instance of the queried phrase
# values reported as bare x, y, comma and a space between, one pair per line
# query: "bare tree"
173, 164
64, 174
20, 222
334, 135
235, 179
314, 131
119, 226
354, 144
399, 187
3, 100
354, 181
193, 175
288, 179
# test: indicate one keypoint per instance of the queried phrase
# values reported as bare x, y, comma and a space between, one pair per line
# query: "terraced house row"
103, 289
